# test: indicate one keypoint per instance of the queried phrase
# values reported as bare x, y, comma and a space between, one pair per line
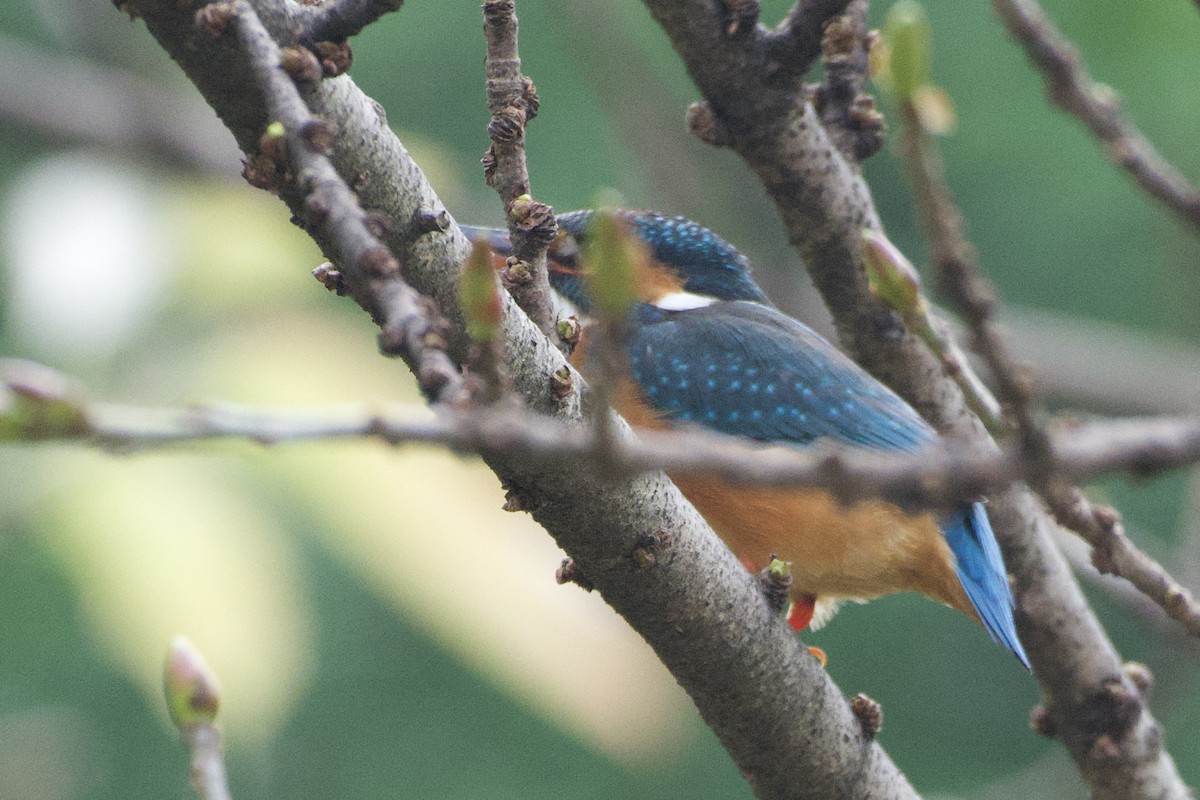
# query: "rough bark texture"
787, 726
762, 113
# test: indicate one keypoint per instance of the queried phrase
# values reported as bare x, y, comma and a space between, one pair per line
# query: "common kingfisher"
707, 347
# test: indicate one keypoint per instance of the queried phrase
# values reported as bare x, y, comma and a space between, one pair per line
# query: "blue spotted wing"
748, 370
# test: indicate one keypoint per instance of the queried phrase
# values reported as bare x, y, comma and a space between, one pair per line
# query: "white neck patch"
683, 301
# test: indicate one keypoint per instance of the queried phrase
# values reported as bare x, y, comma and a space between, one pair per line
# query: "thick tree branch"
789, 729
1069, 86
825, 205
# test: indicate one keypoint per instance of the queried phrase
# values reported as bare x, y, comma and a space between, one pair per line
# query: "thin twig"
846, 111
1097, 106
411, 325
513, 101
960, 276
208, 762
38, 404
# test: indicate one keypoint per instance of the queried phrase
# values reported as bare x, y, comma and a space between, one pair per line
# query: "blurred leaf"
909, 47
480, 294
935, 109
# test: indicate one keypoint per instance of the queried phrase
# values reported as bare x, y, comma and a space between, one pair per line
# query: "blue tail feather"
981, 572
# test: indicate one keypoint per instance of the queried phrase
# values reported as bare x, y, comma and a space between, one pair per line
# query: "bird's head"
689, 266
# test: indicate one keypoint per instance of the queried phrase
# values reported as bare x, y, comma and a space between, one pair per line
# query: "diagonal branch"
338, 20
786, 725
825, 205
410, 324
1069, 86
961, 278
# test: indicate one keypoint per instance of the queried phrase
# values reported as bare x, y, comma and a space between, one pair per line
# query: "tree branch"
1097, 106
789, 729
961, 278
795, 44
338, 20
411, 326
825, 205
38, 404
513, 101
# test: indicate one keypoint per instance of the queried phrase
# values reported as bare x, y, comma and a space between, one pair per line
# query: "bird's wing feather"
746, 369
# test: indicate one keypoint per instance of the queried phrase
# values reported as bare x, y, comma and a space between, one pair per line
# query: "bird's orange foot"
799, 617
801, 612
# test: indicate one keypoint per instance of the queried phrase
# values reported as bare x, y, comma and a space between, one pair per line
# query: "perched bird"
706, 347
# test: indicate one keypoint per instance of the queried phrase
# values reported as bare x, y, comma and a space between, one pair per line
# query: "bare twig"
958, 269
825, 205
513, 101
1097, 106
193, 698
38, 404
411, 325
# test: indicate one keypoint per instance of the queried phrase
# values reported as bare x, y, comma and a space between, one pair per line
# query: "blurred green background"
325, 583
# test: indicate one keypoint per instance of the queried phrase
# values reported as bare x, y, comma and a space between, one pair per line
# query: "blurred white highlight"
87, 259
